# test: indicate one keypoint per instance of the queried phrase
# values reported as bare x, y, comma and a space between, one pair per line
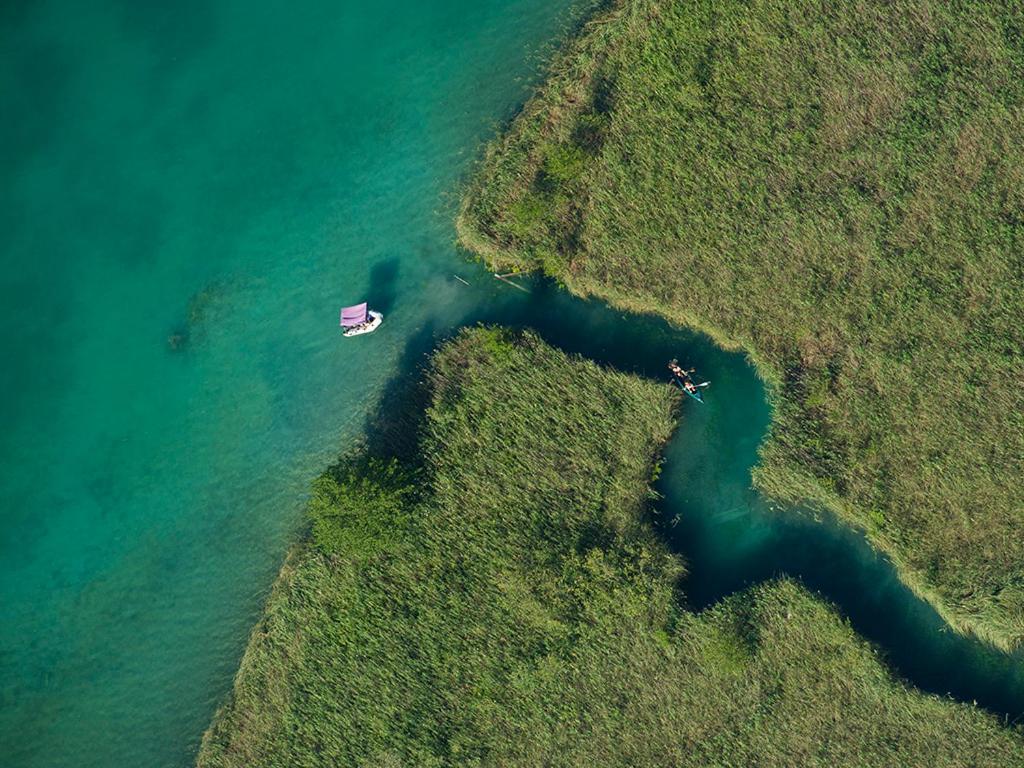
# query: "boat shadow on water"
730, 537
384, 284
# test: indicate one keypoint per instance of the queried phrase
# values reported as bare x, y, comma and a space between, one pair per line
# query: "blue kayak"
681, 377
695, 394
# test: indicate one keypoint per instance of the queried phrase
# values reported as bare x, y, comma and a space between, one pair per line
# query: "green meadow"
498, 597
838, 189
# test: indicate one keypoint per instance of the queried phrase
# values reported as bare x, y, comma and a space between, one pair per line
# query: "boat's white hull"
376, 318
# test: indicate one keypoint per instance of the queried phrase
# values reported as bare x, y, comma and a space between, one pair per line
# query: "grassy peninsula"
837, 188
499, 598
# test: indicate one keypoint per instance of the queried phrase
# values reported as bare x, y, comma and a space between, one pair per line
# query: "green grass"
837, 188
521, 611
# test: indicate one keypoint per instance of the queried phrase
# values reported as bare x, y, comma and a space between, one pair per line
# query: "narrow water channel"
729, 535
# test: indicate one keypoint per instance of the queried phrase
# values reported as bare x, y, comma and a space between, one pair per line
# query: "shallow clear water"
188, 193
229, 173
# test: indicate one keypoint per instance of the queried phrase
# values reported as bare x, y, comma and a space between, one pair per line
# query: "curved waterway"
189, 192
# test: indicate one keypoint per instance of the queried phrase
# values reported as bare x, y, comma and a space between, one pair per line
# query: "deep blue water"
188, 193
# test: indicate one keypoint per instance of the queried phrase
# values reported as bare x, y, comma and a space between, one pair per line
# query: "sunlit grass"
839, 189
521, 611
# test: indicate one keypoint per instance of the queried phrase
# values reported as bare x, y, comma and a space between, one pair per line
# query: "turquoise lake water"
231, 173
189, 192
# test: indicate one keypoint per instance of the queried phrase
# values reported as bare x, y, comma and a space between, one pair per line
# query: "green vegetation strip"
505, 602
838, 188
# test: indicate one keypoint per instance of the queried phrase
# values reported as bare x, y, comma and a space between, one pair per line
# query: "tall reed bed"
503, 600
838, 189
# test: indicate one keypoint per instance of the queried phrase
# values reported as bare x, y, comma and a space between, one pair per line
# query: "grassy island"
837, 188
500, 598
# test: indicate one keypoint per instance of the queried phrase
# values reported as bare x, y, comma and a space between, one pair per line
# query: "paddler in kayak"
682, 378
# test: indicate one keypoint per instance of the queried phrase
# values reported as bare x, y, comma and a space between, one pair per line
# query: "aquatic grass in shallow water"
528, 615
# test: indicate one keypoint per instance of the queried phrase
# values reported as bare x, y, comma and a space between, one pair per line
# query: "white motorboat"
360, 319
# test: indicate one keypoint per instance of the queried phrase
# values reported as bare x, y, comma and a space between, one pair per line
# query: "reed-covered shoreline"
836, 190
500, 597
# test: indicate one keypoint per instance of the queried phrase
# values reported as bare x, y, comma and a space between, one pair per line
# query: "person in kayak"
683, 376
679, 371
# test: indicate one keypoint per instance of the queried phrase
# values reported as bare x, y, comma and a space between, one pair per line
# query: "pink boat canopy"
351, 316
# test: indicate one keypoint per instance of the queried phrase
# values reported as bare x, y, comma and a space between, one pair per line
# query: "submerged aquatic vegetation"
838, 190
524, 612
